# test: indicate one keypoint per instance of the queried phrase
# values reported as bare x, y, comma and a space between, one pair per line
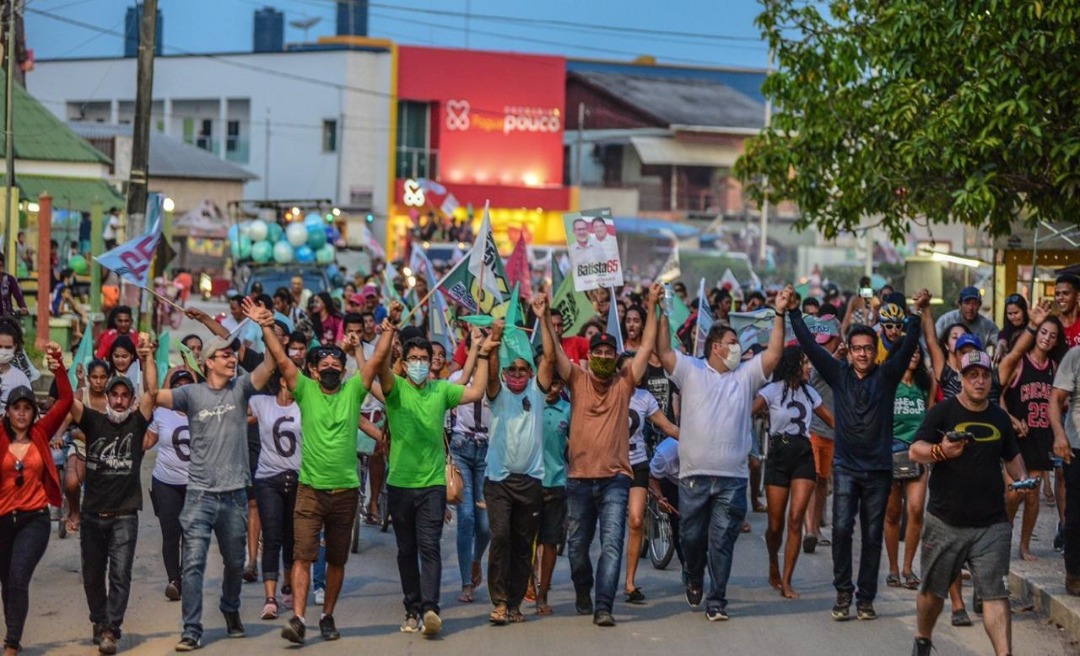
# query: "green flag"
515, 343
83, 355
189, 357
161, 358
574, 306
679, 314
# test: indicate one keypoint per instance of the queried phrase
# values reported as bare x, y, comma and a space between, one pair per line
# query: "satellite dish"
305, 24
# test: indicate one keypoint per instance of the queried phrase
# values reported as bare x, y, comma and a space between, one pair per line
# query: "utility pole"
144, 93
580, 141
763, 246
11, 219
266, 159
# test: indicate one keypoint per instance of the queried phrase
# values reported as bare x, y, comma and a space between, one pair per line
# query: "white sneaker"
432, 623
320, 596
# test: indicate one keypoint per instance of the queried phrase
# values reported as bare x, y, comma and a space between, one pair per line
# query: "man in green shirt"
326, 497
416, 410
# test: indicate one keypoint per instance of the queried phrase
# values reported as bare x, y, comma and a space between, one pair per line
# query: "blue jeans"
865, 493
107, 546
711, 513
225, 515
589, 500
473, 529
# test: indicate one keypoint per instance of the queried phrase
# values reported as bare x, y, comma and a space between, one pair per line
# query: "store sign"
514, 119
413, 194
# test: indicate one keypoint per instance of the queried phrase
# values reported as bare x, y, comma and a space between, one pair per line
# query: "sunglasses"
330, 351
892, 326
19, 473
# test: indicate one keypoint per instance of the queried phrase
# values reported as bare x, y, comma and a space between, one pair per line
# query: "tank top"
1028, 396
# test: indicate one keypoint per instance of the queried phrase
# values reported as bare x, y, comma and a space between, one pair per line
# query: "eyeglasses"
892, 326
866, 348
414, 359
19, 473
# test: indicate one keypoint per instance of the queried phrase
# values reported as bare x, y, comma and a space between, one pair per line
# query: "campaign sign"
593, 249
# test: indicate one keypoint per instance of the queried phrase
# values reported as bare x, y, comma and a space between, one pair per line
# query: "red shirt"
576, 349
45, 478
1072, 334
106, 340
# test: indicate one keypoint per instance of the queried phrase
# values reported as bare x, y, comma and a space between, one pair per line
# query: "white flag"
131, 260
482, 260
449, 205
704, 321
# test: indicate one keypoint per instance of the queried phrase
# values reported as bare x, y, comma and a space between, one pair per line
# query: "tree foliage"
943, 110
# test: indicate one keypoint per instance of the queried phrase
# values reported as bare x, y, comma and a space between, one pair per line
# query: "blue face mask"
418, 371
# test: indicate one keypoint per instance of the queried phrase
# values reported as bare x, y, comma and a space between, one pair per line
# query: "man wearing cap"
371, 298
966, 439
714, 448
113, 495
967, 313
218, 476
826, 331
598, 485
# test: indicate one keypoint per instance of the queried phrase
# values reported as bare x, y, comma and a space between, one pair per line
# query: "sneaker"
432, 623
716, 614
603, 618
320, 596
98, 630
286, 596
921, 647
172, 591
693, 595
108, 642
960, 617
251, 574
234, 628
864, 610
411, 623
842, 610
187, 643
327, 628
583, 604
294, 630
270, 609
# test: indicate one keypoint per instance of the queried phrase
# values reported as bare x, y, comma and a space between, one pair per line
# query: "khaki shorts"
317, 510
823, 455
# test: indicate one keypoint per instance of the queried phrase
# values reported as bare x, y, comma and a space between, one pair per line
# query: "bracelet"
1033, 331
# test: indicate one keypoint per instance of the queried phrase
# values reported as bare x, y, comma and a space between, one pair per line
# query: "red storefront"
480, 126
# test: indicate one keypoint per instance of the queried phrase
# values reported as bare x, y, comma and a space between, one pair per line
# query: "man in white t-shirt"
718, 392
112, 229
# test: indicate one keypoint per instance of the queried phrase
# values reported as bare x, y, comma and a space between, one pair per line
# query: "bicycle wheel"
661, 545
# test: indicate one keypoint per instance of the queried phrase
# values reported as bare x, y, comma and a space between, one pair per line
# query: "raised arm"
145, 352
667, 355
265, 318
1012, 359
823, 361
476, 337
553, 349
214, 327
475, 391
494, 385
380, 359
855, 303
640, 364
785, 301
56, 415
545, 370
937, 355
897, 363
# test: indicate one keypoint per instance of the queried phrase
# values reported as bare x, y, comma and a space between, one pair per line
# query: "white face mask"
733, 358
115, 416
7, 355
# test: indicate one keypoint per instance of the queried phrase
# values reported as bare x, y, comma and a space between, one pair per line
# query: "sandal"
635, 596
516, 616
911, 582
746, 527
892, 580
372, 519
544, 609
759, 507
466, 596
960, 617
498, 616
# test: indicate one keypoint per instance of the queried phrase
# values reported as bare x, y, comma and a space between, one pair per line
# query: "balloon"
304, 254
77, 264
316, 237
261, 251
296, 233
331, 270
245, 228
325, 255
241, 248
313, 219
275, 233
258, 230
283, 252
234, 233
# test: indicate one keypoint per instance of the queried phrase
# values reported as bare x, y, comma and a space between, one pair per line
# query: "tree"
904, 110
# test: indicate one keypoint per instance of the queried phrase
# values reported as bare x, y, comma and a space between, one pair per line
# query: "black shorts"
641, 476
1036, 449
552, 516
789, 458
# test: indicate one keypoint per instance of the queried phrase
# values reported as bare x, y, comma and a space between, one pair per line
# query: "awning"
652, 227
670, 151
76, 194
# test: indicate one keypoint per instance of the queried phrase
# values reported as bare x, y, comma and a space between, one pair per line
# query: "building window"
205, 138
232, 136
329, 136
415, 158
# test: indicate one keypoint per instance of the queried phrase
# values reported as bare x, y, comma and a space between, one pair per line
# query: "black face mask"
330, 379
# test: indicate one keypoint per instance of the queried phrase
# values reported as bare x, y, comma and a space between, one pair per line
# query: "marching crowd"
266, 431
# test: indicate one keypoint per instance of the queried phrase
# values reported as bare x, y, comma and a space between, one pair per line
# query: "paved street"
370, 611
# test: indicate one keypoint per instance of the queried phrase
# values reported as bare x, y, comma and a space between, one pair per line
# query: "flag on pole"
517, 267
463, 286
449, 205
367, 239
438, 325
728, 280
613, 327
484, 262
574, 306
83, 355
161, 358
132, 259
189, 357
704, 321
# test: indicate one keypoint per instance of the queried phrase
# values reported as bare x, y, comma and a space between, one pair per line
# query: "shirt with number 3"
790, 409
279, 436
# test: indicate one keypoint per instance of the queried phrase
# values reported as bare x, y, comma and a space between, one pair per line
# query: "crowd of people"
268, 428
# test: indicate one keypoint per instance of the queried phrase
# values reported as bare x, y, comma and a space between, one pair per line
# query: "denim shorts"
946, 547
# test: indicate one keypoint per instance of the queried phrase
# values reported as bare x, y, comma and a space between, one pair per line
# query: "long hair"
331, 310
923, 379
641, 314
944, 340
1057, 352
1010, 332
789, 371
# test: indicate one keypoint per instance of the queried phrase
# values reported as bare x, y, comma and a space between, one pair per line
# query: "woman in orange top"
28, 486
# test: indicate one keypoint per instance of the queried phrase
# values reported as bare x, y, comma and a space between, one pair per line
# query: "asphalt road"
370, 611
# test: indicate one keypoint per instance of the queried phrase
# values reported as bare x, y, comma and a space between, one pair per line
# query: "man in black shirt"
113, 496
966, 438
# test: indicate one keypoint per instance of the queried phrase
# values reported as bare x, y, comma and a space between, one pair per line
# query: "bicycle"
659, 540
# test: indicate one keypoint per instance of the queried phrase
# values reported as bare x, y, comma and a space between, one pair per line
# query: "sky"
699, 33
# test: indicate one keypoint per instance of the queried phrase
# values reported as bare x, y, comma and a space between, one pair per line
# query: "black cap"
179, 375
21, 393
600, 339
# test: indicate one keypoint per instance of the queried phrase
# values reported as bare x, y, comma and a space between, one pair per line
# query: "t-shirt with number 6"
173, 446
279, 435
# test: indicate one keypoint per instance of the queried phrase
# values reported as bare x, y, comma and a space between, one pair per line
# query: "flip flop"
544, 609
466, 596
911, 582
515, 616
892, 580
499, 616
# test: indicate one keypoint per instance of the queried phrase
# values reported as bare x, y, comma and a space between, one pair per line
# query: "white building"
311, 124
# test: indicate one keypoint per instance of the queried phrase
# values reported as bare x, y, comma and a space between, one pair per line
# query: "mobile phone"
866, 292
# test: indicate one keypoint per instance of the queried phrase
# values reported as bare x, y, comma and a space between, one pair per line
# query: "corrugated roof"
169, 157
40, 135
681, 101
77, 194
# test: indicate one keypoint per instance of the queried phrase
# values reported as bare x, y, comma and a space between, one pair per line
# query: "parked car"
272, 276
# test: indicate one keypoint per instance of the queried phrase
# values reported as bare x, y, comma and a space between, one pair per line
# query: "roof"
40, 135
746, 81
680, 100
169, 157
77, 194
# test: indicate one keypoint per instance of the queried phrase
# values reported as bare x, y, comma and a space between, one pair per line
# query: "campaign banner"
574, 306
593, 249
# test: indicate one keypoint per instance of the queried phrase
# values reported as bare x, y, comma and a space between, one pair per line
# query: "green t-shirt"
416, 417
909, 409
328, 423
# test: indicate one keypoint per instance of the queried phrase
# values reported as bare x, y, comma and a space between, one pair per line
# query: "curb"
1065, 614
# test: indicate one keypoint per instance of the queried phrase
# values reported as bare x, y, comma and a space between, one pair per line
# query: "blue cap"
969, 293
968, 339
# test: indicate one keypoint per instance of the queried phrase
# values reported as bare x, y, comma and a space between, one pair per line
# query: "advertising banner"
593, 249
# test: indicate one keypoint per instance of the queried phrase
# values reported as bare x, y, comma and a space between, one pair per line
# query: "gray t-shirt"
824, 390
986, 329
218, 422
1068, 379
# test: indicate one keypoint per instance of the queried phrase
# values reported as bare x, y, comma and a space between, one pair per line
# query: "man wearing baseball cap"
967, 313
967, 438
